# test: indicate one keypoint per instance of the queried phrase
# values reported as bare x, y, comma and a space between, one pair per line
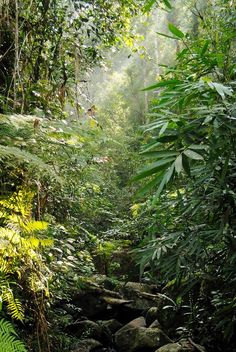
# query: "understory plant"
9, 341
190, 167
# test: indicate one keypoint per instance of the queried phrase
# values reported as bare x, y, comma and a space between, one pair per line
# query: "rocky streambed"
125, 317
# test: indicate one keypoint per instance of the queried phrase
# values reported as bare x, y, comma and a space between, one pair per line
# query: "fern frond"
34, 242
34, 226
24, 156
14, 306
8, 338
6, 327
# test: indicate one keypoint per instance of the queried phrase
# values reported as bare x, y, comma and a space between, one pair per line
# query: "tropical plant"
191, 154
9, 341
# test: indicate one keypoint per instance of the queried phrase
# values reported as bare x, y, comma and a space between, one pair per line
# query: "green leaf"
148, 5
193, 155
205, 47
174, 30
186, 166
170, 173
166, 35
167, 3
160, 189
152, 169
199, 146
164, 127
168, 138
178, 164
144, 190
158, 154
221, 89
171, 82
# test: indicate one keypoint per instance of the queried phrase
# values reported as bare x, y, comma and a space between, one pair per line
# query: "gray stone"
141, 295
85, 329
112, 325
87, 345
184, 345
170, 347
152, 315
135, 336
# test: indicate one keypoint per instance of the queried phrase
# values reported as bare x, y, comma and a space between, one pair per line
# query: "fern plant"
20, 251
9, 341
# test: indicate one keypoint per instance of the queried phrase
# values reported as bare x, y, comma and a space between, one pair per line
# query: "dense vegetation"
91, 165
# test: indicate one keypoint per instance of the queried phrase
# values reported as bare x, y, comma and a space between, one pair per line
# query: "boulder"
170, 347
111, 325
155, 324
134, 336
184, 345
152, 315
143, 296
85, 329
87, 345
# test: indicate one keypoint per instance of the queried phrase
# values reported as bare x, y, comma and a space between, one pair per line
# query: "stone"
184, 345
136, 323
112, 325
87, 345
170, 347
152, 315
115, 302
142, 295
85, 329
155, 324
134, 336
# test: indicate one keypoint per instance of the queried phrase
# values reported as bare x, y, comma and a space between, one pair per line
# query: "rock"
85, 329
112, 325
136, 323
115, 302
170, 347
155, 324
134, 336
91, 299
91, 304
167, 314
137, 286
152, 315
87, 345
184, 345
142, 295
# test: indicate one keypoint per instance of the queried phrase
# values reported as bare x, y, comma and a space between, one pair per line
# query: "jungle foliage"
66, 164
190, 168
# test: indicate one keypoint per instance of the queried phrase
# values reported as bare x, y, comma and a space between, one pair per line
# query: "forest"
117, 190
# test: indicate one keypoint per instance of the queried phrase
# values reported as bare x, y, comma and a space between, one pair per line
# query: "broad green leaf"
221, 89
164, 127
160, 188
170, 172
199, 146
158, 154
167, 3
165, 179
205, 47
150, 146
167, 138
178, 164
193, 155
145, 189
186, 166
171, 82
148, 5
152, 169
166, 35
174, 30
